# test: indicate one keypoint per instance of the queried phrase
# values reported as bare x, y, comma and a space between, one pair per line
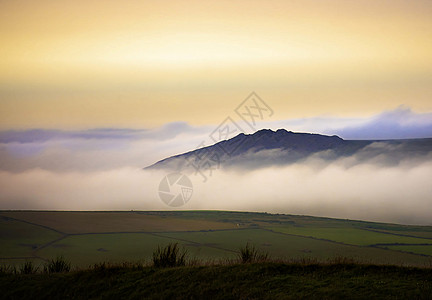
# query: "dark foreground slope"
248, 281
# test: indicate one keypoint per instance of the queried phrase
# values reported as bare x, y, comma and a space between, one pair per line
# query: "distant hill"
267, 147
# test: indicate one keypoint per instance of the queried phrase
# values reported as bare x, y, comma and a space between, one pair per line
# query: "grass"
86, 238
352, 236
20, 239
28, 268
249, 254
420, 249
90, 222
85, 250
269, 280
57, 265
286, 246
169, 256
254, 275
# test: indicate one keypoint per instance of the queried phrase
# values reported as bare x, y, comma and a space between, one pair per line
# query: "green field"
86, 238
419, 249
351, 236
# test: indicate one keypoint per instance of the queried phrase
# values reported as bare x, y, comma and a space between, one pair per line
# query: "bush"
169, 256
57, 265
249, 254
28, 268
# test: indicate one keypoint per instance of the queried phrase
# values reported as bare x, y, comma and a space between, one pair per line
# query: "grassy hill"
235, 281
86, 238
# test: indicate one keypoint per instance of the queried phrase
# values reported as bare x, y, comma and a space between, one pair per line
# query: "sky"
143, 64
91, 92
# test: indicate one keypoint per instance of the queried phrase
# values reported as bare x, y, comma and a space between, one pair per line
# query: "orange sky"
144, 63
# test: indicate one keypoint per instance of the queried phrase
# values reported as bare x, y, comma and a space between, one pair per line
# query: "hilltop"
267, 147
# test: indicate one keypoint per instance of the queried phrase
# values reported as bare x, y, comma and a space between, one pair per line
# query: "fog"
364, 191
101, 169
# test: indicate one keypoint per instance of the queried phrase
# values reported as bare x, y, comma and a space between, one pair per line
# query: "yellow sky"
87, 63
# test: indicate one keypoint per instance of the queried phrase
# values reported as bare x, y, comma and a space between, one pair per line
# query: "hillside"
308, 257
244, 281
266, 147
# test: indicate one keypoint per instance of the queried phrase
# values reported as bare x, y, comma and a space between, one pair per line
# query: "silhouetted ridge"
268, 147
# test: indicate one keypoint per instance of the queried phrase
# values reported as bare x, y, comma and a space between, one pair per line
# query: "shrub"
169, 256
249, 254
28, 268
57, 265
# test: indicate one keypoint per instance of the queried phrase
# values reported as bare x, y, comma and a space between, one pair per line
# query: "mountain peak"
267, 147
270, 131
293, 145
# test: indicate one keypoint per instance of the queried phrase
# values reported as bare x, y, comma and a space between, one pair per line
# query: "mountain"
267, 147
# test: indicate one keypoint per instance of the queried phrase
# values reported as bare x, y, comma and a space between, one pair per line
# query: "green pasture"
419, 249
351, 236
19, 239
86, 238
84, 250
296, 247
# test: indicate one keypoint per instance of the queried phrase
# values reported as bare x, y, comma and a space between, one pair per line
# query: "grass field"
233, 281
351, 236
419, 249
86, 238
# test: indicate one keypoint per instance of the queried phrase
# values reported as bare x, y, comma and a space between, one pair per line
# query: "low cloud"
168, 131
364, 191
108, 148
400, 123
101, 169
94, 150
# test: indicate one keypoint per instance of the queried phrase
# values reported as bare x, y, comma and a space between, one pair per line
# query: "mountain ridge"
268, 147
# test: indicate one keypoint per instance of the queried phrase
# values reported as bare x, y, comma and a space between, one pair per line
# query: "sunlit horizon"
131, 64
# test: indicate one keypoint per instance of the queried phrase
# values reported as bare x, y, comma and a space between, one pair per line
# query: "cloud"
94, 149
167, 131
400, 123
101, 169
365, 191
109, 148
116, 189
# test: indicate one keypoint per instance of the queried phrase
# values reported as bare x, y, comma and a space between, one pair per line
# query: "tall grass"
7, 269
28, 268
172, 255
57, 265
169, 256
249, 254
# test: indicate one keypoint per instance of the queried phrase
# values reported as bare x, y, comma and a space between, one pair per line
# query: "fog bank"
401, 194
